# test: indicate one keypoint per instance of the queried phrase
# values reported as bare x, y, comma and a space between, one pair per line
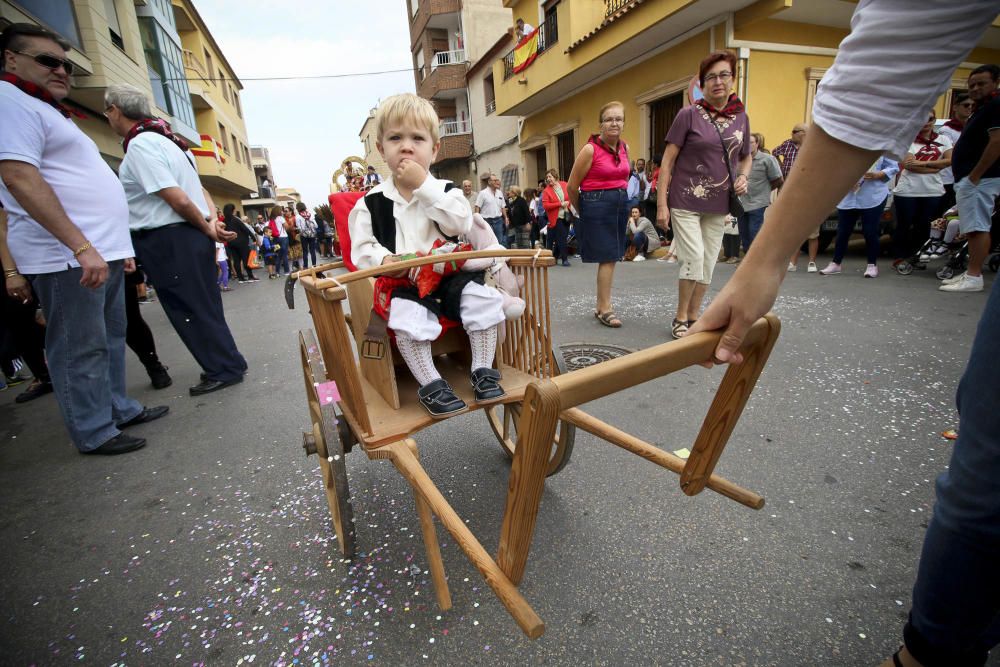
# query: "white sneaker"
830, 269
672, 259
966, 284
954, 279
639, 258
793, 267
871, 271
812, 267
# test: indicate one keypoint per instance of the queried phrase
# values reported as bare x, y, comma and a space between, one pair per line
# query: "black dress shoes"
120, 444
159, 376
147, 415
486, 382
207, 386
439, 400
35, 389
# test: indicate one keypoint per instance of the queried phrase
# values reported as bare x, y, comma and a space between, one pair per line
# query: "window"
57, 15
419, 59
236, 148
508, 176
224, 136
166, 71
114, 29
489, 94
236, 103
225, 87
208, 63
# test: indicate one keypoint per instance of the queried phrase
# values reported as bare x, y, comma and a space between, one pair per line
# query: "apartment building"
445, 37
151, 44
646, 55
494, 138
369, 140
265, 193
223, 153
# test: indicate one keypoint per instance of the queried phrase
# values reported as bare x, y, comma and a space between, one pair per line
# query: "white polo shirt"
33, 132
151, 164
491, 204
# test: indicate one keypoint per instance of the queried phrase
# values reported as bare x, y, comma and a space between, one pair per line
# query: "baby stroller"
951, 246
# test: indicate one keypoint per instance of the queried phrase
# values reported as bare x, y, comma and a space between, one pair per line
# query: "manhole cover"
581, 355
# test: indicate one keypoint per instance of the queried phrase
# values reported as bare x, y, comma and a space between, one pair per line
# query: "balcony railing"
548, 35
193, 62
491, 106
448, 58
612, 6
450, 128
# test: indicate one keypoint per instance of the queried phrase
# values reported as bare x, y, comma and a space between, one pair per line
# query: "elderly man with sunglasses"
68, 234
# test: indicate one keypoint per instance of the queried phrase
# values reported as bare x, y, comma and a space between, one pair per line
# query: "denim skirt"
602, 225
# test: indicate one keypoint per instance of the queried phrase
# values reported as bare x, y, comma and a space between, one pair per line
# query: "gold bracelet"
10, 273
82, 249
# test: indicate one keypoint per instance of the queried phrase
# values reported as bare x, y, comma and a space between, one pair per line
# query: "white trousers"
481, 308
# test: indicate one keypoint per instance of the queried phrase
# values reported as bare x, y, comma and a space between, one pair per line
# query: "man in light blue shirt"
865, 200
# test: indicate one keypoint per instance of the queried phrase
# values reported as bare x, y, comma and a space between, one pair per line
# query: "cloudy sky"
311, 125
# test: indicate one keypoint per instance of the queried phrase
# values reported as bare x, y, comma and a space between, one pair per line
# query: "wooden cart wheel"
328, 441
504, 420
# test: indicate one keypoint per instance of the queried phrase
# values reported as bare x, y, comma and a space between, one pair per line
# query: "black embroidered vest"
384, 223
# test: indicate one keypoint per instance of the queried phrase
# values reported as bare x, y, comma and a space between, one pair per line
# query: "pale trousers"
697, 239
481, 307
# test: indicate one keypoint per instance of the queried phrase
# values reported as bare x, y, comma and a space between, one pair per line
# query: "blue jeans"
750, 224
283, 255
496, 224
869, 227
308, 247
955, 617
641, 242
85, 347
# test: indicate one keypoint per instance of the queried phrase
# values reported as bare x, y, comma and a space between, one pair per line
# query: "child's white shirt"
415, 229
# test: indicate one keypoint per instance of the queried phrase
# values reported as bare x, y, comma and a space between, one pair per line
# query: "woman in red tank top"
597, 189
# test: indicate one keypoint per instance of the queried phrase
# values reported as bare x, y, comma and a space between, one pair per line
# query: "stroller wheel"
904, 268
945, 272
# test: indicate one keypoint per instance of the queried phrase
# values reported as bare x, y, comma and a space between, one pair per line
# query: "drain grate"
581, 355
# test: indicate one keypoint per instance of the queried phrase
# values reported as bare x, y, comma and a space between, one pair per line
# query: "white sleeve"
24, 138
151, 169
897, 61
449, 209
366, 251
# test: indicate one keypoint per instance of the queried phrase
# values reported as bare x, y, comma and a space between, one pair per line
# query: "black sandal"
678, 329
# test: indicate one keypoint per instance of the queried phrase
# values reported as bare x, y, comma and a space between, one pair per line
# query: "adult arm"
927, 166
183, 206
774, 176
584, 160
990, 155
27, 186
742, 180
17, 285
663, 184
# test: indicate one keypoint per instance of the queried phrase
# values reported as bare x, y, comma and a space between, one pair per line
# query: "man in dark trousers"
174, 234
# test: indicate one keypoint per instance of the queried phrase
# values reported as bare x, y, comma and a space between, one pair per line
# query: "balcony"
431, 12
443, 77
451, 128
448, 58
454, 147
198, 77
548, 36
614, 6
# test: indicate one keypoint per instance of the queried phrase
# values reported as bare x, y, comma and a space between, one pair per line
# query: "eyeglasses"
721, 76
47, 61
616, 121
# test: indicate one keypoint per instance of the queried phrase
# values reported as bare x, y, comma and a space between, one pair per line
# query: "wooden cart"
535, 422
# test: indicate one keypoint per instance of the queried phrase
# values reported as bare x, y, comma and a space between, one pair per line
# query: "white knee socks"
484, 346
417, 355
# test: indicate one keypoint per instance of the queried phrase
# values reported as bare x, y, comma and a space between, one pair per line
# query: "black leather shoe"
208, 386
120, 444
486, 382
34, 390
159, 376
439, 400
147, 415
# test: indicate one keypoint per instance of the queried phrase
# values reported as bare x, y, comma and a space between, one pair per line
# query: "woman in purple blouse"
695, 176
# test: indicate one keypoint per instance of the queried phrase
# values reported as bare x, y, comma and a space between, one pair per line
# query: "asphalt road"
214, 545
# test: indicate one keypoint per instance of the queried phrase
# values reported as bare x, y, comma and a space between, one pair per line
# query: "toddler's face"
408, 141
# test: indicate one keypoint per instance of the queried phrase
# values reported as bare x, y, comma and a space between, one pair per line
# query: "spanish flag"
526, 51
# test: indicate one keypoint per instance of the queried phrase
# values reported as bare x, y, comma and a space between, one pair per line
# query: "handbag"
735, 206
252, 260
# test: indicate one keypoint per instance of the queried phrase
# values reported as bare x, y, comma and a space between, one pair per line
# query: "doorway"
566, 153
661, 115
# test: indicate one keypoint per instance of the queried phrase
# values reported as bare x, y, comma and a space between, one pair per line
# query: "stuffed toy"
498, 274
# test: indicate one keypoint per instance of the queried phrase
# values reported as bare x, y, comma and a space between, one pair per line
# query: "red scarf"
615, 154
36, 91
733, 107
955, 124
158, 126
929, 141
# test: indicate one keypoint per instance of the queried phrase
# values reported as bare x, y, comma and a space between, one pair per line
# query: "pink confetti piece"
328, 392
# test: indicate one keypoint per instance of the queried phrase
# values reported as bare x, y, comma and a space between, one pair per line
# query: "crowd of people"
73, 230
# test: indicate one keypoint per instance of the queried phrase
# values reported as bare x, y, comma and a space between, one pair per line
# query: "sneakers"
439, 400
830, 269
639, 258
935, 251
812, 267
871, 271
793, 267
954, 279
965, 283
